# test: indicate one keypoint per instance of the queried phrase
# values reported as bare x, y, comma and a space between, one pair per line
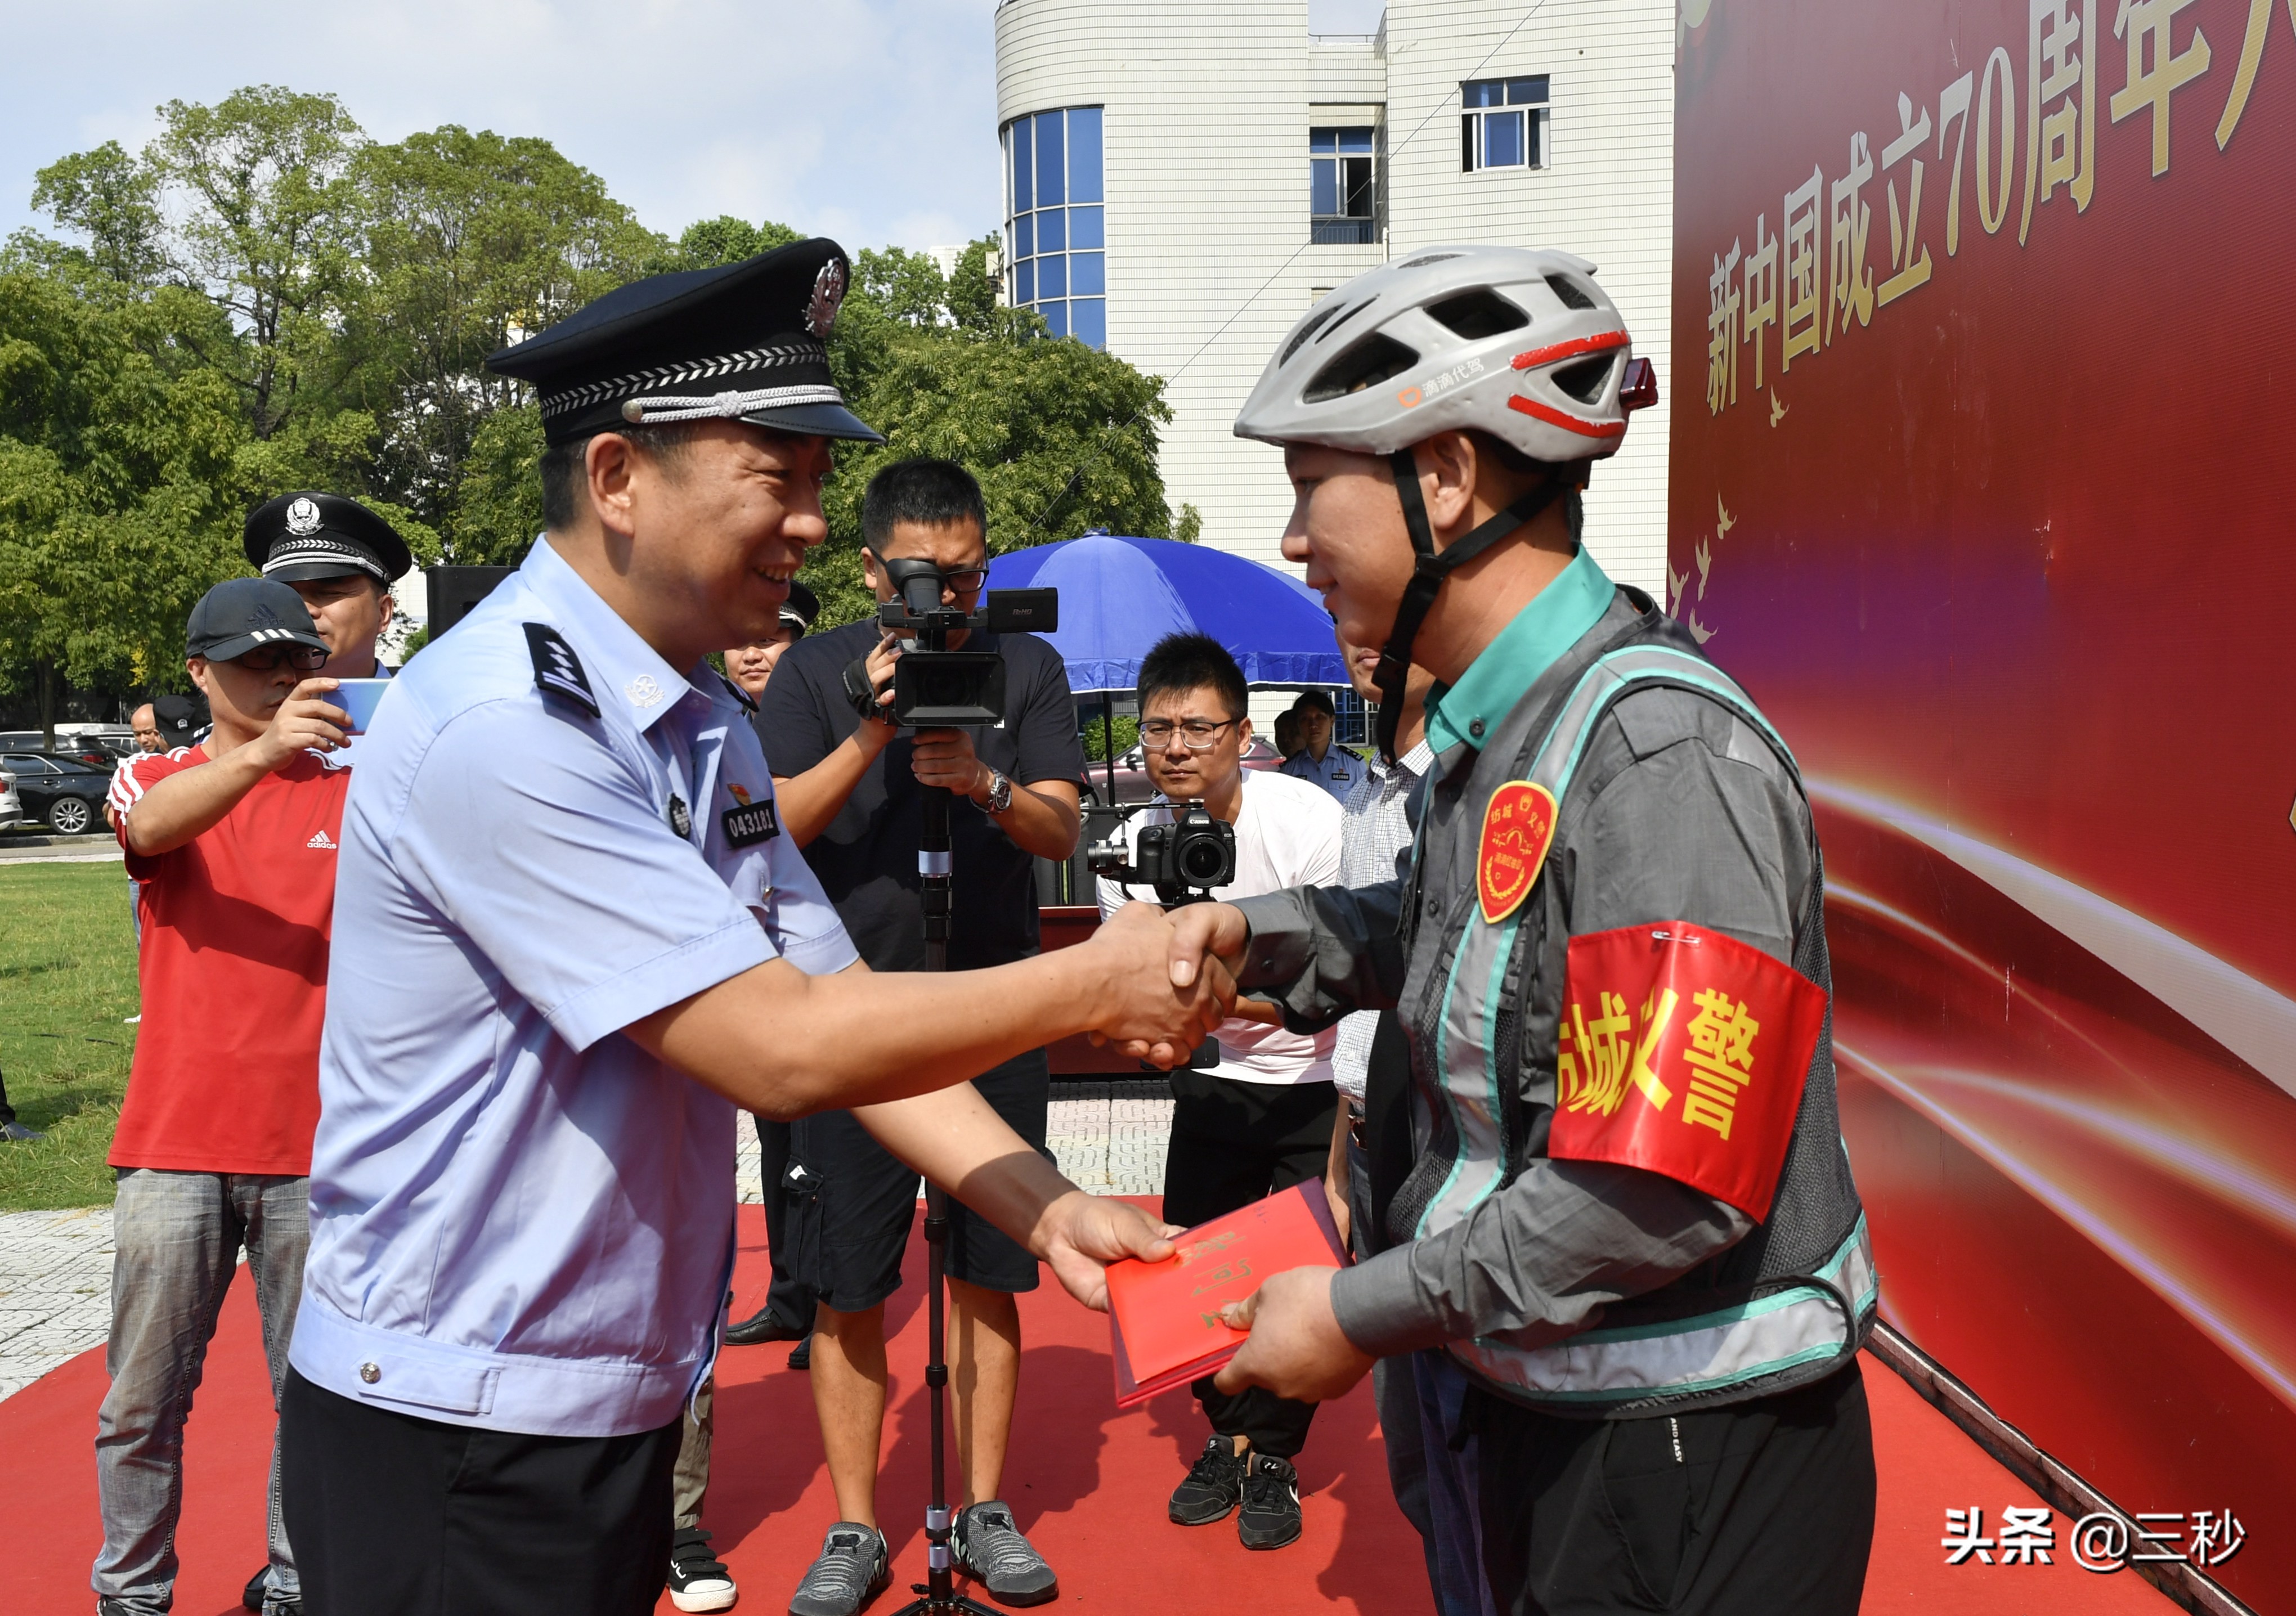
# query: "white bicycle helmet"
1518, 343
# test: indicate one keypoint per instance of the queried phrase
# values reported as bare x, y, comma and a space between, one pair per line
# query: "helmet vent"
1586, 379
1426, 259
1478, 314
1305, 331
1573, 295
1375, 359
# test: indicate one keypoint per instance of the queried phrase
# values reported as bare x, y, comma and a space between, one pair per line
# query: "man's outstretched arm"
782, 1044
956, 1139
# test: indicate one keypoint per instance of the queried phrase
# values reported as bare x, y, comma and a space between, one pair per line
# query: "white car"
11, 806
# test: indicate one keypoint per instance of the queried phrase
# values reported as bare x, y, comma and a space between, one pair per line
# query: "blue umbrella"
1118, 596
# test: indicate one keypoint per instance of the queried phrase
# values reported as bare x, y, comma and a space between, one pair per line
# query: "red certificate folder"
1164, 1320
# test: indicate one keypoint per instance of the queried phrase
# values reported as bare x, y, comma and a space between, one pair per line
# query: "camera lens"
1202, 861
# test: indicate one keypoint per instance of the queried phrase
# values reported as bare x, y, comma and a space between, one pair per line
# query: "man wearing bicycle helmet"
1627, 1258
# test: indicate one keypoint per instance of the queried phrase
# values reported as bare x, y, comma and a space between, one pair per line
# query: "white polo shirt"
1287, 834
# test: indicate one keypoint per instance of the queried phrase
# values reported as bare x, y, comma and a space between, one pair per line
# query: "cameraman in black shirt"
849, 790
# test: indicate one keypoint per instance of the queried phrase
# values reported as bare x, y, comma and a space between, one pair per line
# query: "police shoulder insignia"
557, 670
1518, 829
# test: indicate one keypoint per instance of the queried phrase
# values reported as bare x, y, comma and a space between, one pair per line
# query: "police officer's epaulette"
748, 703
557, 670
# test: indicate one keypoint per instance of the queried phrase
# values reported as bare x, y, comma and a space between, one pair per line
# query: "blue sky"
870, 120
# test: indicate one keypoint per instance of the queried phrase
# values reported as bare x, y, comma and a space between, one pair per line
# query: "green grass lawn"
67, 981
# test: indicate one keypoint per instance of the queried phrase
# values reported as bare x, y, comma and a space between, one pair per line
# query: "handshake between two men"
897, 1048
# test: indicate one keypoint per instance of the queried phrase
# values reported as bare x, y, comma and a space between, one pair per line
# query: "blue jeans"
178, 1237
1453, 1490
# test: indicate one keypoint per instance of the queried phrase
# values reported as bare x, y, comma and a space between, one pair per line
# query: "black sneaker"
853, 1569
1270, 1516
800, 1358
251, 1598
697, 1579
1215, 1486
991, 1548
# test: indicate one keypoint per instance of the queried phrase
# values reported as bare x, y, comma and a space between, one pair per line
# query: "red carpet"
1088, 1484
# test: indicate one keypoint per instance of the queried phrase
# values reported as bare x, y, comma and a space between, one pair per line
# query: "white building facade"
1183, 179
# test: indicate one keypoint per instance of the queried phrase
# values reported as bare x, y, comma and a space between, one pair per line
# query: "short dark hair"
1183, 662
1574, 503
565, 467
1320, 700
931, 493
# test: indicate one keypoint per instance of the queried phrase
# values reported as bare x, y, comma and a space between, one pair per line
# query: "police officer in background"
1628, 1260
342, 558
570, 941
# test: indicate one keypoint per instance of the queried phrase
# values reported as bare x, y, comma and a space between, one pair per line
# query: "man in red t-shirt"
233, 844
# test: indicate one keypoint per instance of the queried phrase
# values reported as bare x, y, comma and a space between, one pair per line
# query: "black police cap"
308, 534
801, 607
743, 342
242, 613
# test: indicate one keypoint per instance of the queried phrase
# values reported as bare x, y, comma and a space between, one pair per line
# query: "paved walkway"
55, 1268
55, 1289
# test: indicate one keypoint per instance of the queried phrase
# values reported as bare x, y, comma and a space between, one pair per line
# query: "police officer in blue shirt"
1333, 767
571, 941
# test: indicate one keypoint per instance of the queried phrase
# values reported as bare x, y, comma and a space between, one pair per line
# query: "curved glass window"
1054, 223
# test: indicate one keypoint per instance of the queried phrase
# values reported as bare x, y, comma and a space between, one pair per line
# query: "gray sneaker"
853, 1569
990, 1547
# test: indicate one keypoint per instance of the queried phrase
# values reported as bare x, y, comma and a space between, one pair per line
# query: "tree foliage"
263, 298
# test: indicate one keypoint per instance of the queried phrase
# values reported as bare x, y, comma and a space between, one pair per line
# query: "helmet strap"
1428, 573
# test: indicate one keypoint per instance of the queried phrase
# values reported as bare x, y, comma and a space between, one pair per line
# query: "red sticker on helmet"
1518, 828
1684, 1052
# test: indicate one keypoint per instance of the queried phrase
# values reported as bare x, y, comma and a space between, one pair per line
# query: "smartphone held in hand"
358, 698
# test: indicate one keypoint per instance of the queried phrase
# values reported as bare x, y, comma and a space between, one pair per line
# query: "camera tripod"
936, 1595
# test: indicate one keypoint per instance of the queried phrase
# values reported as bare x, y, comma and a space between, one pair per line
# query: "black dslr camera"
934, 686
1183, 860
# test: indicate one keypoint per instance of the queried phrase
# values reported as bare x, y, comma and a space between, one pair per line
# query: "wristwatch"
1000, 792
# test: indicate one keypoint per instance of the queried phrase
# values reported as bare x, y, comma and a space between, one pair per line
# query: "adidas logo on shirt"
321, 840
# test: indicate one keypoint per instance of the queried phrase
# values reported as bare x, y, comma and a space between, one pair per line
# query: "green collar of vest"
1541, 632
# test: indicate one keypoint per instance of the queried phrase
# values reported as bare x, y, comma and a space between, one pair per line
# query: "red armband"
1683, 1052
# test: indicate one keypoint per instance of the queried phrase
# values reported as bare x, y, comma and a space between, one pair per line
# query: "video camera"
1185, 860
934, 686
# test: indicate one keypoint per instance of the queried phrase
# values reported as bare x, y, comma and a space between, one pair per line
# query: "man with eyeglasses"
849, 785
234, 845
1260, 1121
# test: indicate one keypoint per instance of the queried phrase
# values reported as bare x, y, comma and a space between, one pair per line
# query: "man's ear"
1243, 732
387, 606
610, 462
1448, 467
197, 667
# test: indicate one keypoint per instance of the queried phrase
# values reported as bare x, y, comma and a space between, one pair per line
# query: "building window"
1342, 186
1055, 230
1504, 125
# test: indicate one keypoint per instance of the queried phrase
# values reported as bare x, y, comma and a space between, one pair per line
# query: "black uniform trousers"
1234, 1143
789, 1299
1755, 1509
392, 1514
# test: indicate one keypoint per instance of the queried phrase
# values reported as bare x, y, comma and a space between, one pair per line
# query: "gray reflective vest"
1788, 1304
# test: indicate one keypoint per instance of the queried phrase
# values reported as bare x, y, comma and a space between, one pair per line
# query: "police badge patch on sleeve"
557, 670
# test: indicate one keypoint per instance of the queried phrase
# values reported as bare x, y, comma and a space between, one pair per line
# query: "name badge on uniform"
747, 823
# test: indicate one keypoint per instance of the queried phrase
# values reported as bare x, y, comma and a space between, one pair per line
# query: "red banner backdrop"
1988, 471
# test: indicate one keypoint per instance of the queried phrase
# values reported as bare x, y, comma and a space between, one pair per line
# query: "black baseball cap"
242, 613
310, 533
744, 341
